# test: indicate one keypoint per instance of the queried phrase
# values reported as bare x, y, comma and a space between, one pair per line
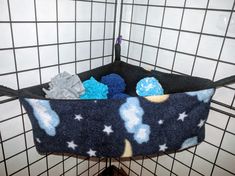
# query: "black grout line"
3, 154
37, 41
177, 30
114, 28
54, 65
105, 17
180, 7
128, 47
200, 36
75, 36
180, 52
54, 44
160, 35
178, 37
94, 1
57, 21
223, 42
75, 56
140, 62
224, 132
18, 85
142, 45
120, 18
57, 36
91, 13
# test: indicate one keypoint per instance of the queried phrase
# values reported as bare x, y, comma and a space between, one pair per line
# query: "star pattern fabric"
72, 145
162, 148
91, 153
124, 127
201, 123
78, 117
38, 140
160, 122
182, 116
108, 129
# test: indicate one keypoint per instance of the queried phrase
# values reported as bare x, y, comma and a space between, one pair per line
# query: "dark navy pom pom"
115, 83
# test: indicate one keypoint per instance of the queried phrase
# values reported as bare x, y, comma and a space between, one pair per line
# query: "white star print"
163, 147
91, 153
108, 129
201, 123
78, 117
38, 140
182, 116
95, 101
72, 145
160, 122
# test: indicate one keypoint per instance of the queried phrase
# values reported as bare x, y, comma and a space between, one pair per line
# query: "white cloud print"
203, 95
47, 119
132, 113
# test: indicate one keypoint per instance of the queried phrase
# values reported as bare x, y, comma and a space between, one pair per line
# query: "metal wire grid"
217, 106
79, 164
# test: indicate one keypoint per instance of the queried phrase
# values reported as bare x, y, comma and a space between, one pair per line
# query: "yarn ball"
120, 96
115, 83
94, 90
149, 86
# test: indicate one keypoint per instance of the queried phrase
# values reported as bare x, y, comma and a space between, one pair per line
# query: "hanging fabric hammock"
124, 127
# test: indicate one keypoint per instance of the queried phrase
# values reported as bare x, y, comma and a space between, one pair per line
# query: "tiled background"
39, 38
191, 37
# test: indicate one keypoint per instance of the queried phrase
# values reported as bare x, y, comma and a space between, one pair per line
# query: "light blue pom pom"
149, 86
94, 90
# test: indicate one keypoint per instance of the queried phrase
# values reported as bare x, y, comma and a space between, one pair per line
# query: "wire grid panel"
39, 39
191, 38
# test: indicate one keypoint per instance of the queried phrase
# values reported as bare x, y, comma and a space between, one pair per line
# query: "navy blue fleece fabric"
125, 127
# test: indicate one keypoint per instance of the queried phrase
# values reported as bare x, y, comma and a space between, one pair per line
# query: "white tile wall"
148, 54
172, 18
208, 54
97, 31
24, 34
157, 12
180, 61
27, 57
67, 53
168, 39
139, 13
137, 33
4, 14
66, 32
152, 36
209, 46
216, 22
46, 10
192, 20
83, 31
7, 61
66, 10
202, 64
188, 42
5, 35
22, 10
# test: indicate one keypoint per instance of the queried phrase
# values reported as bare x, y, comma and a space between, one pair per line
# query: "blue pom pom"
115, 83
94, 90
120, 96
148, 87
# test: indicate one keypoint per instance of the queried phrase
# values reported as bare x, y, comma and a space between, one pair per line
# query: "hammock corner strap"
125, 127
